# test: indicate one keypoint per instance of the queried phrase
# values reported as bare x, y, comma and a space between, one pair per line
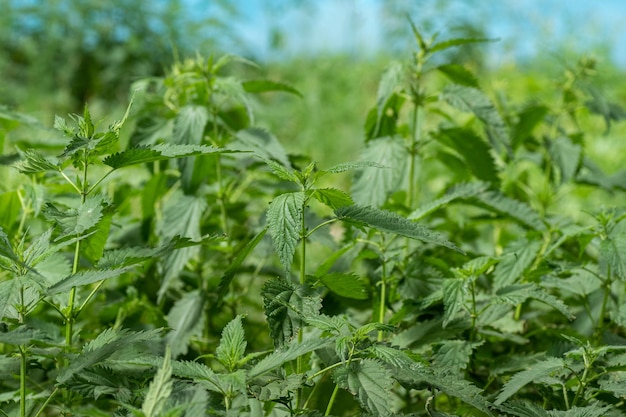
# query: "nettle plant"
197, 268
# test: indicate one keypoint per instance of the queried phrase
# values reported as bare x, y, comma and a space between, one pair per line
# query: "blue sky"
524, 27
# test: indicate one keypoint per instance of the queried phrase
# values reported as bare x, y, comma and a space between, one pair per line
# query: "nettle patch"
193, 267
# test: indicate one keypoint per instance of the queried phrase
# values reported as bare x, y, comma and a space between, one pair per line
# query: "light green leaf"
520, 379
517, 294
567, 156
282, 171
370, 382
6, 249
284, 219
518, 256
263, 85
348, 166
454, 354
454, 294
613, 255
458, 74
524, 409
516, 210
232, 344
35, 163
160, 388
262, 143
594, 410
390, 222
103, 346
390, 83
22, 335
161, 152
392, 356
287, 353
85, 278
287, 307
332, 197
374, 184
189, 125
76, 221
186, 319
472, 100
458, 191
346, 285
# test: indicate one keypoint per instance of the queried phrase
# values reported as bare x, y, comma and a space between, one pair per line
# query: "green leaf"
472, 100
456, 42
516, 210
332, 197
593, 410
454, 294
454, 354
286, 354
284, 219
34, 163
242, 254
613, 255
567, 156
189, 125
102, 347
160, 388
6, 249
524, 409
262, 86
458, 74
535, 372
374, 184
386, 221
23, 335
282, 171
458, 191
287, 307
232, 345
528, 119
517, 294
161, 152
390, 83
186, 319
76, 221
473, 149
518, 256
393, 356
85, 278
348, 166
262, 143
371, 382
345, 285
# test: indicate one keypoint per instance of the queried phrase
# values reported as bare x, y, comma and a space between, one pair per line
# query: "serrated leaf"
474, 151
161, 152
456, 42
186, 319
514, 209
348, 166
517, 258
528, 119
392, 356
346, 285
282, 172
6, 249
160, 388
262, 143
521, 379
454, 294
517, 294
264, 85
34, 163
284, 219
458, 74
286, 354
390, 222
242, 254
567, 156
287, 307
232, 344
458, 191
613, 255
76, 221
472, 100
103, 346
524, 409
454, 354
370, 382
390, 83
85, 278
22, 335
374, 184
332, 197
593, 410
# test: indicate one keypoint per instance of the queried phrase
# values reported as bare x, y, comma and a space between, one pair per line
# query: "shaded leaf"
332, 197
34, 163
474, 151
85, 278
284, 219
370, 382
458, 74
458, 191
286, 354
263, 85
161, 152
535, 372
186, 319
345, 285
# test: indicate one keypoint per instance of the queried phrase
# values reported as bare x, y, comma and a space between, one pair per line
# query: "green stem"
607, 291
583, 381
332, 400
474, 313
319, 226
303, 237
23, 364
418, 115
383, 294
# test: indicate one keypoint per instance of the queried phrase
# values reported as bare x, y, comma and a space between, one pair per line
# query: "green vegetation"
458, 251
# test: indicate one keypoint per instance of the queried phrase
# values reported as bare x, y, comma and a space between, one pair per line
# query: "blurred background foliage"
56, 55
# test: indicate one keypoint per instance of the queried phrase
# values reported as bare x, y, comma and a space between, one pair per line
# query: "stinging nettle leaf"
473, 150
345, 285
390, 222
160, 388
458, 74
454, 294
286, 354
458, 191
186, 319
34, 163
370, 382
282, 171
284, 219
264, 85
332, 197
457, 42
161, 152
262, 143
85, 278
520, 379
232, 344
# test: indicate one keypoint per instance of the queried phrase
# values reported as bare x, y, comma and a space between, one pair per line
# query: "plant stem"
303, 237
383, 293
332, 400
23, 363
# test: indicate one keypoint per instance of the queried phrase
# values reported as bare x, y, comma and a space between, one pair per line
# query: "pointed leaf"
262, 143
262, 86
186, 319
287, 354
371, 382
232, 344
458, 74
454, 294
567, 156
160, 388
535, 372
345, 285
458, 191
282, 171
386, 221
85, 278
35, 163
474, 150
516, 210
456, 42
333, 197
77, 221
161, 152
613, 255
373, 184
518, 256
390, 83
517, 294
284, 219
